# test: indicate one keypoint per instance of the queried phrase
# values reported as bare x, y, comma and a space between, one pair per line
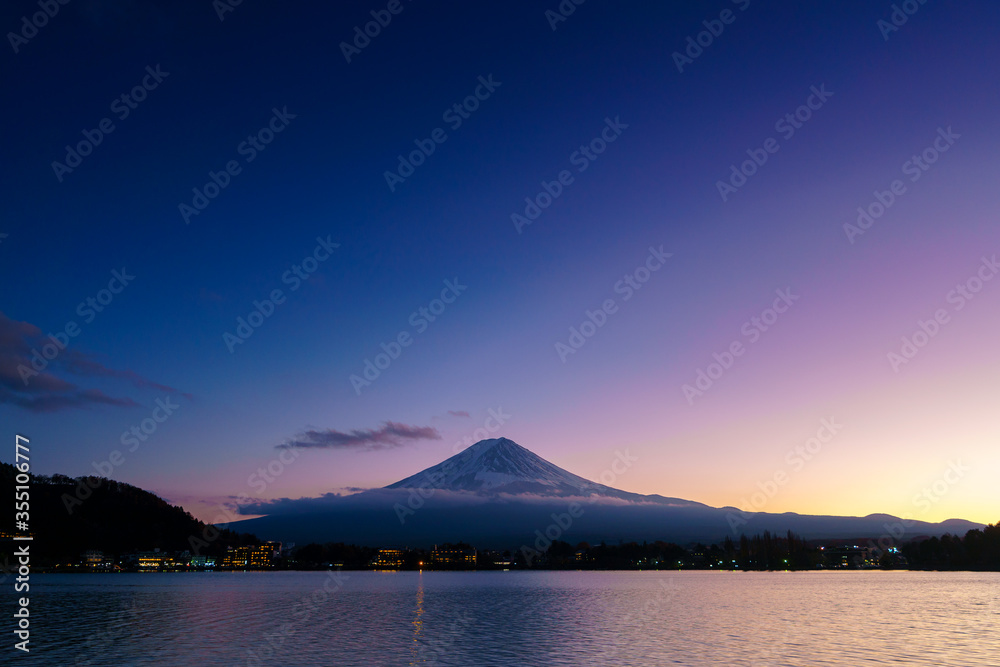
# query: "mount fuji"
498, 494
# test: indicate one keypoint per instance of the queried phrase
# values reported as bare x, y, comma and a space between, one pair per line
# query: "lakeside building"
849, 557
453, 557
201, 561
256, 556
92, 558
389, 559
155, 560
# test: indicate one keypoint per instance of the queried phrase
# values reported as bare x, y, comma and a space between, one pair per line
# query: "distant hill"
115, 518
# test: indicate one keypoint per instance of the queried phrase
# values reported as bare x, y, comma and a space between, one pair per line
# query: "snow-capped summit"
500, 465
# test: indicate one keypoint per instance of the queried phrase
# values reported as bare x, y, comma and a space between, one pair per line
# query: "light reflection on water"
516, 618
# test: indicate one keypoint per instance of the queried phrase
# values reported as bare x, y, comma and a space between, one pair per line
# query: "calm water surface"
515, 618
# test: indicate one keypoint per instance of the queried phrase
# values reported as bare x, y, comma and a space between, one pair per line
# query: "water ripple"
517, 618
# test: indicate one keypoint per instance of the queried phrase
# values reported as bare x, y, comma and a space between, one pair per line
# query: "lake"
514, 618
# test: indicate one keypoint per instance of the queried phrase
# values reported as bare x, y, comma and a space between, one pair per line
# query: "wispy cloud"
53, 402
388, 436
79, 364
22, 385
